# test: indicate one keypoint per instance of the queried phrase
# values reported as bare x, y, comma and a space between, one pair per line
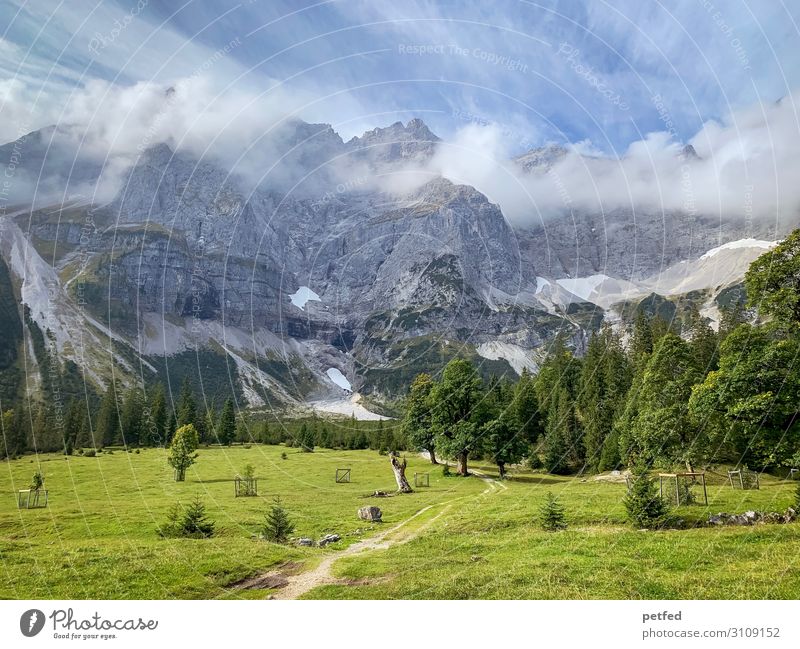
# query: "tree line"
135, 417
652, 395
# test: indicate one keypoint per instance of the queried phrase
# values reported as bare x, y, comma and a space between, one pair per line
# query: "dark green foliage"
417, 424
226, 429
552, 516
773, 281
107, 422
643, 503
750, 405
188, 522
557, 388
662, 430
154, 432
525, 408
186, 412
457, 413
604, 384
446, 473
307, 438
131, 420
37, 482
10, 340
796, 504
277, 524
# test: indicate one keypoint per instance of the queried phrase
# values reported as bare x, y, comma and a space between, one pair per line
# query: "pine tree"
605, 379
525, 408
156, 428
644, 505
172, 425
662, 429
641, 345
73, 423
131, 418
277, 524
556, 441
187, 408
108, 418
306, 438
210, 426
189, 522
552, 515
704, 342
195, 521
226, 429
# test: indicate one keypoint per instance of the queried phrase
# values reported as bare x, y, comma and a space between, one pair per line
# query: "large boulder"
370, 513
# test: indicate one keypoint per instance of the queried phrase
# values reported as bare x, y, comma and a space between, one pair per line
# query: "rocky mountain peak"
413, 141
541, 158
688, 153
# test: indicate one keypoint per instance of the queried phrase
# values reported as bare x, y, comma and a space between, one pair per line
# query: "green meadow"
470, 537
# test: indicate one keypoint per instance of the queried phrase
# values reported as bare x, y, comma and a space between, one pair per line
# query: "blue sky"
562, 71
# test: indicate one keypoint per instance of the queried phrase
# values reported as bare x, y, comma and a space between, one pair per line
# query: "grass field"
475, 538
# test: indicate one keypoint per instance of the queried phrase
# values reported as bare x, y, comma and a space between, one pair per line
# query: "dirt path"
322, 573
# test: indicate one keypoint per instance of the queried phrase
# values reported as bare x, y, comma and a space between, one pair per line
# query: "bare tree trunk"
462, 463
399, 468
501, 468
432, 455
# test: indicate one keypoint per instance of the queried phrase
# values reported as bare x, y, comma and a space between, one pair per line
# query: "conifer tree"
187, 408
226, 429
552, 515
156, 430
645, 507
277, 524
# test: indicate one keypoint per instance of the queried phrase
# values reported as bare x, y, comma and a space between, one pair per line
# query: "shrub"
37, 482
284, 456
645, 507
277, 525
190, 522
446, 470
551, 514
89, 453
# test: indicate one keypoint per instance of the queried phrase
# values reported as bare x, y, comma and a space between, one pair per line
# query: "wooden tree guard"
342, 475
422, 479
743, 479
245, 486
31, 498
677, 476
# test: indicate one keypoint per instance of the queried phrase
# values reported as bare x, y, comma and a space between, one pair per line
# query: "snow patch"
303, 295
351, 407
741, 243
516, 356
583, 287
335, 375
541, 284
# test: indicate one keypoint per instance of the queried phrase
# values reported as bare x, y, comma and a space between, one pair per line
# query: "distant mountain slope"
191, 259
